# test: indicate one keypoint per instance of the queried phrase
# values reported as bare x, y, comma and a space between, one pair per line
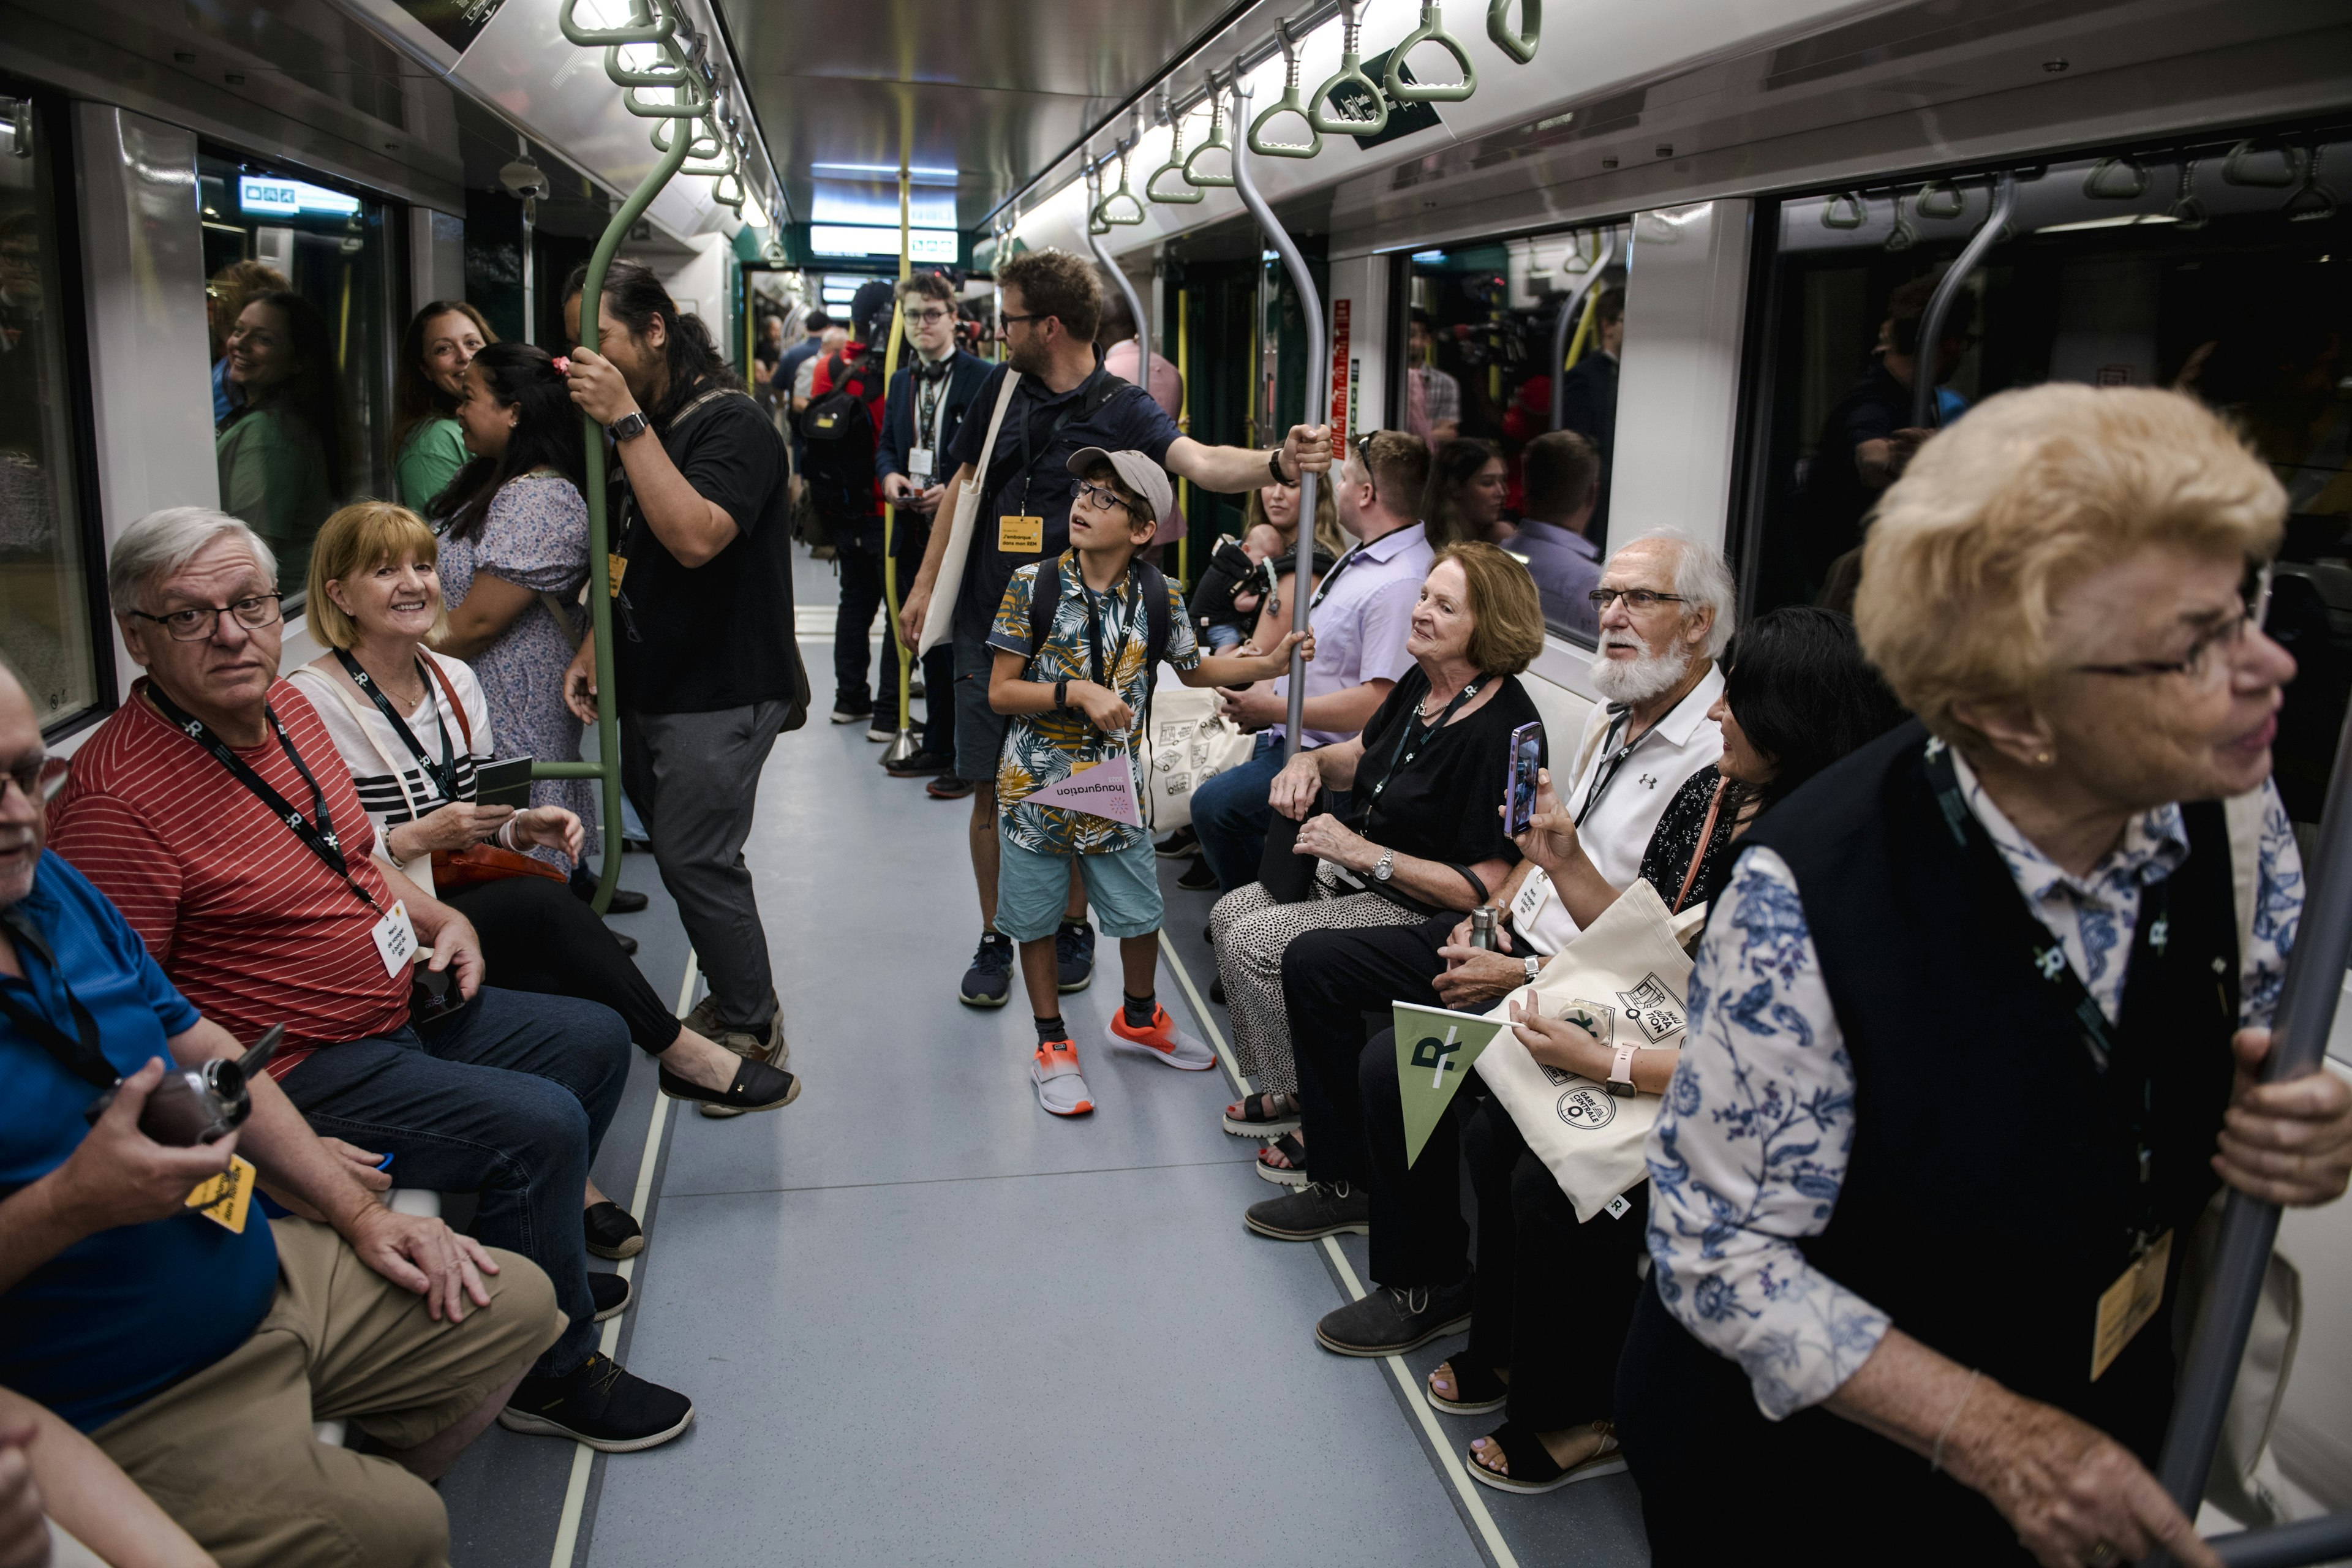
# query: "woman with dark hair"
285, 455
1467, 482
427, 384
514, 552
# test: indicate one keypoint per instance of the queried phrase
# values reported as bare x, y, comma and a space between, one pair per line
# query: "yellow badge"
616, 566
1020, 535
2126, 1306
222, 1199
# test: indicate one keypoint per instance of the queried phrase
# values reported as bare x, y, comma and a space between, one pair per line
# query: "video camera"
199, 1105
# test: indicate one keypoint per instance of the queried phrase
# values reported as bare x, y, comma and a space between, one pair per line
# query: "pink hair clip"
562, 365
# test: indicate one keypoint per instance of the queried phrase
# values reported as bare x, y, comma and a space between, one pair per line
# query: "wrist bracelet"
1274, 467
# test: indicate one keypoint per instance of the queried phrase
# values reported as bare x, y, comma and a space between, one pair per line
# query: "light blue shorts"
1033, 891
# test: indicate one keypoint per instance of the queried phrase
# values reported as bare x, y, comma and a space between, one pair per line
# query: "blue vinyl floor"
924, 1322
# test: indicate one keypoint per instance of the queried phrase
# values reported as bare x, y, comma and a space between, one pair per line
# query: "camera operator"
197, 1345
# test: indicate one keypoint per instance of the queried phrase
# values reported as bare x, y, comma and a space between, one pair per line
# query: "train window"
1488, 327
46, 623
299, 306
2219, 269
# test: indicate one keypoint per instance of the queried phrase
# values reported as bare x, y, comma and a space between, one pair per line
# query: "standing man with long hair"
702, 607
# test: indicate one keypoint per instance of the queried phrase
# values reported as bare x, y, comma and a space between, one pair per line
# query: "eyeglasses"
197, 623
2197, 661
1637, 600
1032, 316
1100, 495
926, 318
26, 776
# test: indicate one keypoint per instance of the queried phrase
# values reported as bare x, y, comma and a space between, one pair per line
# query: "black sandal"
1477, 1391
1290, 1149
756, 1086
1533, 1469
1262, 1116
611, 1232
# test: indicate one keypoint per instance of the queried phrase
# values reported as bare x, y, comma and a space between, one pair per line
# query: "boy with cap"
1072, 670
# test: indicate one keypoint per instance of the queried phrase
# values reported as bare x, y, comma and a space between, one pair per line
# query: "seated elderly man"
197, 1344
1666, 612
214, 810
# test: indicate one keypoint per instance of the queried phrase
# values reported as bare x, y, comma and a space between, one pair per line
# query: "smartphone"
504, 783
1519, 788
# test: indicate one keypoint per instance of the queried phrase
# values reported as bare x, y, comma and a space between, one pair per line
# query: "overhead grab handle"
1350, 75
1904, 236
1184, 196
2115, 180
1940, 199
1843, 210
2240, 167
1108, 210
1430, 31
1519, 45
1289, 103
1094, 223
1216, 143
2312, 202
2186, 209
644, 26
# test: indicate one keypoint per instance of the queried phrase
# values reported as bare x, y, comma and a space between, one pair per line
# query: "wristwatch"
1621, 1074
1274, 467
1061, 695
628, 427
1386, 867
1534, 966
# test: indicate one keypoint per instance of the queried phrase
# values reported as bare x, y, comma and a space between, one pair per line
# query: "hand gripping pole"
1318, 365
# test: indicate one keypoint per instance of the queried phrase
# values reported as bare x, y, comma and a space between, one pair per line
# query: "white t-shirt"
1616, 831
393, 788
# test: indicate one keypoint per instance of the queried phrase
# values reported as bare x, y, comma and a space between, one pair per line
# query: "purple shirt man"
1361, 614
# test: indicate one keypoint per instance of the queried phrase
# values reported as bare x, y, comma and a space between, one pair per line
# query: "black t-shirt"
1441, 806
1128, 420
719, 635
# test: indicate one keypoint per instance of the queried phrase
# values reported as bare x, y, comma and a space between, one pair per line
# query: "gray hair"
1702, 577
162, 542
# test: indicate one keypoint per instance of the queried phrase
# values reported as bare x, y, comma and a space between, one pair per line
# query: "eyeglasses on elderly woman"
2225, 634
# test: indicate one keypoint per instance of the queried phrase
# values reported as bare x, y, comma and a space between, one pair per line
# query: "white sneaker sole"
1592, 1470
1267, 1131
1267, 1172
1191, 1055
1080, 1104
540, 1426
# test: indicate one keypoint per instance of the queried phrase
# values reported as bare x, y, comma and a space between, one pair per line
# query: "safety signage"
1339, 312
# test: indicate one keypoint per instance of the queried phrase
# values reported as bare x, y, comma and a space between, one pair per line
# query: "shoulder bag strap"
449, 690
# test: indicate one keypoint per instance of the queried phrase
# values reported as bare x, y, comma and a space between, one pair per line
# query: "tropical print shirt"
1043, 749
1751, 1148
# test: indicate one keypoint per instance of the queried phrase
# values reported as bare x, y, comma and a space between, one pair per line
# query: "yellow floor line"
1442, 1444
584, 1458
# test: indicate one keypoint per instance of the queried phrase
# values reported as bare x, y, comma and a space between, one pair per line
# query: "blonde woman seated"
1411, 830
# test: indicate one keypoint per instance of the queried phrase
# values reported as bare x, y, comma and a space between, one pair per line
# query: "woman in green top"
428, 447
284, 455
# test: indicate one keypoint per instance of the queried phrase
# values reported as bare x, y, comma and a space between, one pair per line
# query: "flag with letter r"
1434, 1050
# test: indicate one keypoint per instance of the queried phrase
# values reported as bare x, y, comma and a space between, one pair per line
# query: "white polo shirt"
1619, 794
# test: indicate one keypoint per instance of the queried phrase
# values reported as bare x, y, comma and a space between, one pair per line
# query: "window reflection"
44, 623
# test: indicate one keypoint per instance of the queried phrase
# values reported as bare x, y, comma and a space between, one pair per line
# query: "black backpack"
837, 431
1148, 579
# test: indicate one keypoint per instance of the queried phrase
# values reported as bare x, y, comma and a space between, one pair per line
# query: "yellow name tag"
2126, 1306
615, 568
224, 1198
1021, 535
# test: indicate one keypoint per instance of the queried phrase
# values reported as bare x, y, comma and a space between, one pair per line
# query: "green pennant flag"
1434, 1048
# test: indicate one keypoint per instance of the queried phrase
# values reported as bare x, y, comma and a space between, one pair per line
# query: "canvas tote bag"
1187, 744
940, 615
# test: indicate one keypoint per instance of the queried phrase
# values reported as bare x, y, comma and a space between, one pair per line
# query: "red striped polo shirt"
250, 924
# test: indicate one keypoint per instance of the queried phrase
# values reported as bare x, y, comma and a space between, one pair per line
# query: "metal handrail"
1568, 312
1134, 302
1939, 305
1310, 302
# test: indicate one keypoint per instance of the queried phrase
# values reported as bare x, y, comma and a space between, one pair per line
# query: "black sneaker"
1176, 846
610, 1294
611, 1232
949, 786
626, 901
1316, 1210
989, 981
922, 764
625, 943
601, 1404
882, 729
1393, 1321
1197, 878
756, 1086
851, 706
1074, 956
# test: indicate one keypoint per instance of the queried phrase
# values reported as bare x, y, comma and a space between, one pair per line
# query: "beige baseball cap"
1140, 473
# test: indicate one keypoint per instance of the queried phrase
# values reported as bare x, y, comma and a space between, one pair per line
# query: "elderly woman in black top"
1408, 843
1966, 1023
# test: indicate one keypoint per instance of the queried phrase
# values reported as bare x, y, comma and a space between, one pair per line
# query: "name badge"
1534, 893
2126, 1306
395, 939
1020, 535
222, 1199
616, 567
919, 465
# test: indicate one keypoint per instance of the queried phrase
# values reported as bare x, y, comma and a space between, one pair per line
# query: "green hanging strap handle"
1519, 45
1216, 143
1107, 210
645, 25
1349, 74
1430, 31
1185, 197
1094, 221
1288, 103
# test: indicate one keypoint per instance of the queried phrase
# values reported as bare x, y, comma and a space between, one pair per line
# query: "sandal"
1292, 1175
1476, 1392
1533, 1469
1264, 1115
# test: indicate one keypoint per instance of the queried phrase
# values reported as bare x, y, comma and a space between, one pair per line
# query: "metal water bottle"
1482, 927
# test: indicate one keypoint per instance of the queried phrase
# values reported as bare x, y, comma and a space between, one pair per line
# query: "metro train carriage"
1918, 432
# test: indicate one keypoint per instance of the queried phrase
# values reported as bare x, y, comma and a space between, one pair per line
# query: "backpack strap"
1152, 584
1044, 598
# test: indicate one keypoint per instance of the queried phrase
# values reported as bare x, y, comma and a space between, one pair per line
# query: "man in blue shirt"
1064, 403
1563, 490
197, 1345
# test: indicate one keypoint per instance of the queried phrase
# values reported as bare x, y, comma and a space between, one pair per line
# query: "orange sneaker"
1060, 1088
1163, 1041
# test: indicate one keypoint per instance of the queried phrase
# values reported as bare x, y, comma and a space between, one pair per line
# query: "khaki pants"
230, 1452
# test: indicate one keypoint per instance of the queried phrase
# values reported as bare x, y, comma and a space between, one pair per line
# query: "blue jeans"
510, 1098
1230, 813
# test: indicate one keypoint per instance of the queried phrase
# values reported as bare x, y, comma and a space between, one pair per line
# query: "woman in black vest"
1963, 1025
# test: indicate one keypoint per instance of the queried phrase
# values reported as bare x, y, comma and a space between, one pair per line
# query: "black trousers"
938, 693
536, 937
858, 553
1330, 979
1553, 1298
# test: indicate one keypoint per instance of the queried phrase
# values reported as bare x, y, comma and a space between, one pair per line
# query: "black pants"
858, 553
1330, 979
1552, 1298
939, 695
536, 937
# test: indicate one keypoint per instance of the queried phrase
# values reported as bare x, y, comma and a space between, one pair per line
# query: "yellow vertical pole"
1184, 423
